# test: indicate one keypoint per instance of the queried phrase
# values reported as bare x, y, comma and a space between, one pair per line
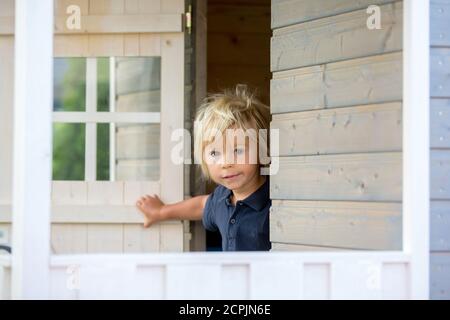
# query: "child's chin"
233, 184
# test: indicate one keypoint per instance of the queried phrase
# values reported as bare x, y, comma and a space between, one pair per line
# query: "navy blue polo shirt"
244, 227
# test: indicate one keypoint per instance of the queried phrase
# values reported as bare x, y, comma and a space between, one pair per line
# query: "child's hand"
151, 208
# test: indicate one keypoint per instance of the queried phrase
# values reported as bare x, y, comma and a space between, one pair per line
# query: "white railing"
359, 275
317, 275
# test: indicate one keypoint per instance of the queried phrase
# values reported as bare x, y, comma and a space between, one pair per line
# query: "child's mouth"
229, 177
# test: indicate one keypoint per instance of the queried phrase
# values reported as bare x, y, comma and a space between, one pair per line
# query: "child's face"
232, 162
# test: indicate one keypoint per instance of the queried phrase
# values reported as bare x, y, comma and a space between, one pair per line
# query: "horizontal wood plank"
109, 24
352, 177
440, 72
368, 128
440, 225
353, 225
276, 246
106, 117
337, 38
136, 23
146, 101
138, 169
440, 174
440, 275
440, 23
367, 80
440, 123
287, 12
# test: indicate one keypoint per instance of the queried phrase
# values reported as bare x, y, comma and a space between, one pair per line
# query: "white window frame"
91, 117
199, 275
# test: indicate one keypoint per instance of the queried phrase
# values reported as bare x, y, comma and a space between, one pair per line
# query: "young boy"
239, 206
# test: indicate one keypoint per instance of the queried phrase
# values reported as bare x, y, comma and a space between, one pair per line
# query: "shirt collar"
257, 200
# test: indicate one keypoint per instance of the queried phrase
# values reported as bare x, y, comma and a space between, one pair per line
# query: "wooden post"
416, 143
33, 93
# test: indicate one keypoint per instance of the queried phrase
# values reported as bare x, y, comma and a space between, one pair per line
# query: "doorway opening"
238, 51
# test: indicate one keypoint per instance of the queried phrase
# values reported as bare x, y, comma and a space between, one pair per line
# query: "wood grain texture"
239, 19
368, 128
362, 177
367, 80
440, 225
336, 38
440, 174
138, 142
440, 72
440, 123
352, 225
69, 238
288, 12
440, 23
440, 275
276, 246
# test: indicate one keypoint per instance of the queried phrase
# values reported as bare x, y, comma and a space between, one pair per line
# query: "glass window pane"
69, 84
138, 82
137, 152
68, 151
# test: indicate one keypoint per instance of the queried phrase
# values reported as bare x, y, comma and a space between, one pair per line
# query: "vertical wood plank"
69, 192
69, 238
135, 189
105, 192
149, 44
105, 45
138, 239
105, 238
103, 7
150, 6
131, 45
62, 5
172, 6
172, 111
171, 237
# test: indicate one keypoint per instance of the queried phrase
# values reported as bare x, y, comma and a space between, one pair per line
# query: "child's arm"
155, 210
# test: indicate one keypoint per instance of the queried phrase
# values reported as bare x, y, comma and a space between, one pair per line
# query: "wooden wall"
81, 226
440, 149
336, 97
239, 44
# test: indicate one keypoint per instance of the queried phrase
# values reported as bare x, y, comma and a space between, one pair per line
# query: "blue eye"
214, 153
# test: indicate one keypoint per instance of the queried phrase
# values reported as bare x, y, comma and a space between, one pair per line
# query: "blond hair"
235, 107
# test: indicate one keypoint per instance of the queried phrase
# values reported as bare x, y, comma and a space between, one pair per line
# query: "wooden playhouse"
361, 200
